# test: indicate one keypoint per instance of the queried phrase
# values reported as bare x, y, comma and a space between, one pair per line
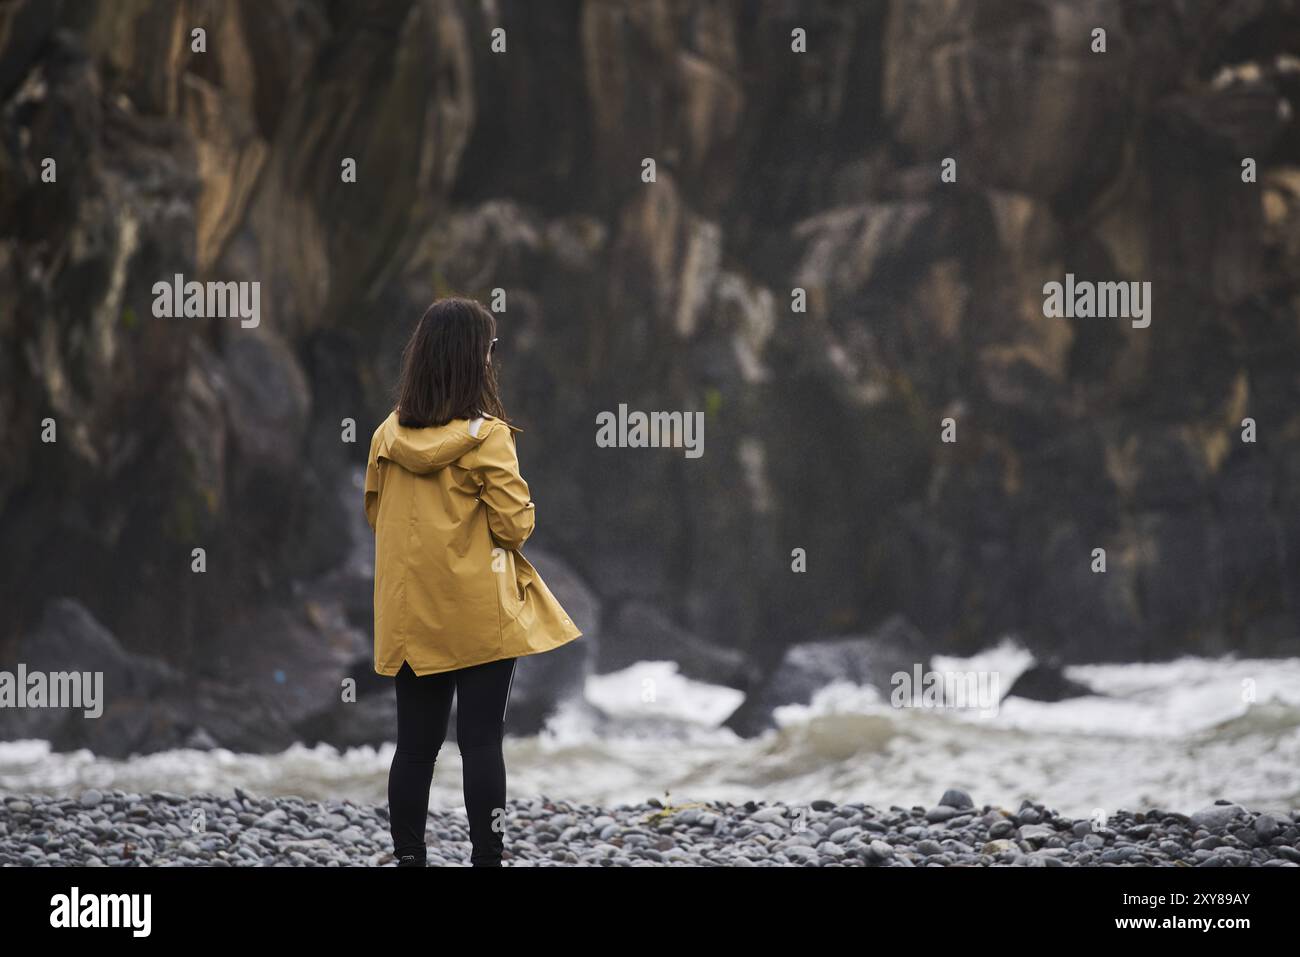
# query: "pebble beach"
120, 829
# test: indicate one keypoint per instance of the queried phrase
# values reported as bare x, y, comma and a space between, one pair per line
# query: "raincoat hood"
426, 450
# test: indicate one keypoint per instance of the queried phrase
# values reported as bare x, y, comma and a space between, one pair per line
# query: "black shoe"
411, 860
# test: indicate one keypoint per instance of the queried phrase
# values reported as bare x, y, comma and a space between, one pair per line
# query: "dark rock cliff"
776, 170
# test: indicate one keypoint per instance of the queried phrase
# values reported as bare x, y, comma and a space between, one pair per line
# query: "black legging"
423, 710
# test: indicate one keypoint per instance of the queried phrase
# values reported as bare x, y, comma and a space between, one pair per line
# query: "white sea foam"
1177, 735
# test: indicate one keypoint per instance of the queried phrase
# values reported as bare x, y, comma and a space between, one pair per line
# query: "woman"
456, 602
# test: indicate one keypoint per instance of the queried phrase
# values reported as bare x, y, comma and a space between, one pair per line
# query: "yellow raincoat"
450, 511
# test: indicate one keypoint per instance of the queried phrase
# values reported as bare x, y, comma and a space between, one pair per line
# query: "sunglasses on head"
492, 346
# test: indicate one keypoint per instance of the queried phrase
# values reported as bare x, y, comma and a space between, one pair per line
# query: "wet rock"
868, 660
1046, 681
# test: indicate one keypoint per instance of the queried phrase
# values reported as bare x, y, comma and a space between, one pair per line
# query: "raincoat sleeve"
372, 483
503, 490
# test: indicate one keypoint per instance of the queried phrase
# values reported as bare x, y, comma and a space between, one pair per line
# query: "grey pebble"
113, 829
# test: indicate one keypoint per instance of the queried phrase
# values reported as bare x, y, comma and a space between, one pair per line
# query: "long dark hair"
445, 370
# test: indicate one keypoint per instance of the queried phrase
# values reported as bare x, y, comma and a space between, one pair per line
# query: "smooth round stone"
1036, 833
1217, 817
881, 850
1266, 827
956, 798
1001, 829
1001, 846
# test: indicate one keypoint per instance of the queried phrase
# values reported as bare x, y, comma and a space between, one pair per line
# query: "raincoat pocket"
524, 575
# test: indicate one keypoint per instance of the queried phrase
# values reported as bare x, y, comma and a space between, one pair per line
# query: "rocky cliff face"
775, 170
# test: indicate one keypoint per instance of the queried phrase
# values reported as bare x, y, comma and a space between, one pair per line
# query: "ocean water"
1174, 735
